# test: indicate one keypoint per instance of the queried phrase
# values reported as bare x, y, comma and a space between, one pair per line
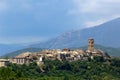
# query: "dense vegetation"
97, 69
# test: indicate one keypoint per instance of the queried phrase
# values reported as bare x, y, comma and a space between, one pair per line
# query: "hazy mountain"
106, 34
6, 48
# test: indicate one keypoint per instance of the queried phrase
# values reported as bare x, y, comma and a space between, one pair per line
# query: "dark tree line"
97, 69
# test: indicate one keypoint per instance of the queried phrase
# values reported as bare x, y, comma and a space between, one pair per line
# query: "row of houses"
64, 54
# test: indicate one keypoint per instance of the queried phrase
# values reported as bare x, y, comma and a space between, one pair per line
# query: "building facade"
91, 45
4, 62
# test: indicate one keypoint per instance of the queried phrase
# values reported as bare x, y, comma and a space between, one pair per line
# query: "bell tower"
91, 45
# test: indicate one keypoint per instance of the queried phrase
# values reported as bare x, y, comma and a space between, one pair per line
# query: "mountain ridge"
106, 34
17, 52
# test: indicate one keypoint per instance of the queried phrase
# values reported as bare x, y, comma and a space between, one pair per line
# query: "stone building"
24, 58
4, 62
19, 60
91, 45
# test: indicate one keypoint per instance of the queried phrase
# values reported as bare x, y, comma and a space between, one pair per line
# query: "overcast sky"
24, 21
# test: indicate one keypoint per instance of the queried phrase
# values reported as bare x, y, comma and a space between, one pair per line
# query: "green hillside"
15, 53
58, 70
111, 51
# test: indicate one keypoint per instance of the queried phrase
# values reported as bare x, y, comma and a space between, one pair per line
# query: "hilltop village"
64, 54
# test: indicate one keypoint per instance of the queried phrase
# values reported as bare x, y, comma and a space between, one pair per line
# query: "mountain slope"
6, 48
15, 53
106, 34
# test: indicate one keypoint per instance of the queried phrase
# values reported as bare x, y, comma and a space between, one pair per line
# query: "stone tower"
91, 45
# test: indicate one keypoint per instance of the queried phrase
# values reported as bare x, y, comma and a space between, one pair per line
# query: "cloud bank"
96, 12
37, 20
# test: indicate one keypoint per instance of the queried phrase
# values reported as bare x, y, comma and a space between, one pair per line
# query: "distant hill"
106, 34
111, 51
15, 53
7, 48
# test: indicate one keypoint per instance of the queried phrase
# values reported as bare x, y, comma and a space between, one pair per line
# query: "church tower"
91, 45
